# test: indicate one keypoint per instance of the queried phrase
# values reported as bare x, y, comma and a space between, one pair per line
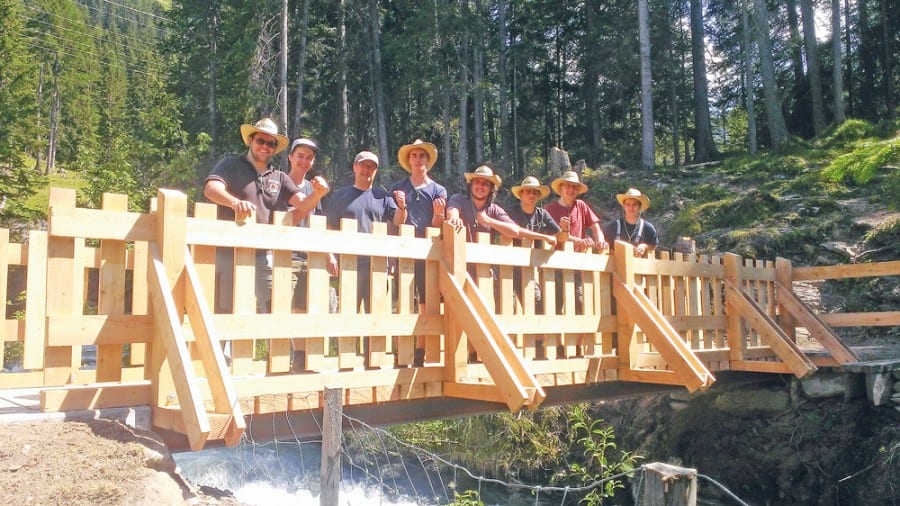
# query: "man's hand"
439, 205
319, 186
242, 210
400, 199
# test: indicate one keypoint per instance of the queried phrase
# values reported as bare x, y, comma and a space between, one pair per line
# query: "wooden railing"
670, 320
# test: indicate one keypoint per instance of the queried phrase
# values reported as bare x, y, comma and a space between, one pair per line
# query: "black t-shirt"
270, 191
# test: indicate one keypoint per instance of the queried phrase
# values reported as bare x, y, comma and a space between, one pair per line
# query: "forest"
134, 95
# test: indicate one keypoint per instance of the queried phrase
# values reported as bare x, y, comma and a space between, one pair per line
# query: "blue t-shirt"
419, 207
364, 206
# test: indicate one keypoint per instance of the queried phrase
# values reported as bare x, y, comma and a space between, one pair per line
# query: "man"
241, 184
578, 218
574, 214
476, 210
301, 158
535, 223
367, 206
424, 201
632, 227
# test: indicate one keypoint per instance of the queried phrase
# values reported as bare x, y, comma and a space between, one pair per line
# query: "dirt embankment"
98, 462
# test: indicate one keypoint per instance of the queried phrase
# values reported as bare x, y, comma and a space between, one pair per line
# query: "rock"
841, 248
750, 403
824, 384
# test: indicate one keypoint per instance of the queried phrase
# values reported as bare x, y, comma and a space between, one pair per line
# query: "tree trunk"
812, 66
591, 76
648, 145
837, 74
777, 128
39, 153
213, 78
750, 98
297, 124
795, 43
464, 86
377, 83
502, 95
703, 141
848, 57
866, 63
478, 101
346, 156
887, 66
283, 63
55, 106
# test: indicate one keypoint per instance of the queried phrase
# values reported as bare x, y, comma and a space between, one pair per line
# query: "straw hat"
533, 183
484, 172
634, 193
569, 176
403, 153
266, 126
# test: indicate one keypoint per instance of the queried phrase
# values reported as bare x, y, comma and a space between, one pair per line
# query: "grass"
39, 202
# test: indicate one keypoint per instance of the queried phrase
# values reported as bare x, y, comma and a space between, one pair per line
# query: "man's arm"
215, 191
537, 236
305, 204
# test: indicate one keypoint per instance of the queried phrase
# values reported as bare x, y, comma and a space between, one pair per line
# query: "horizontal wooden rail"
87, 286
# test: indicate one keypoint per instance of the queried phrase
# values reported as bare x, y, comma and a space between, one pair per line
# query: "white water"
275, 475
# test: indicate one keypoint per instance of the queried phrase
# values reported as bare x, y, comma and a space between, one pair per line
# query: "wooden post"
332, 417
171, 221
737, 343
669, 485
784, 275
455, 359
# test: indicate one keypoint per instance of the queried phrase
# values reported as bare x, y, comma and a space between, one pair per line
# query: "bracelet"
440, 215
401, 209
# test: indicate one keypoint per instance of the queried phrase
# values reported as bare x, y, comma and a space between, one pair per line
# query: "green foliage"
603, 460
861, 164
467, 498
847, 132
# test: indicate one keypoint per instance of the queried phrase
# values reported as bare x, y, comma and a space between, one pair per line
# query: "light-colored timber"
674, 320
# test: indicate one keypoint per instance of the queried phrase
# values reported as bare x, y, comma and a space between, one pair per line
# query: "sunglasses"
263, 142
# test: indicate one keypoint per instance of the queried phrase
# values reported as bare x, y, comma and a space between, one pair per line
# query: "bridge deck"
113, 280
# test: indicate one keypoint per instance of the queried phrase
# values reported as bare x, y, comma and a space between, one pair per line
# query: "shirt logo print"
273, 186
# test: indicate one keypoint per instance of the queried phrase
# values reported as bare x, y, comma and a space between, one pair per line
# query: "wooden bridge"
140, 286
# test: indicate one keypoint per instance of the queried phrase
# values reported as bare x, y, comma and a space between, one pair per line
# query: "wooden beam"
95, 396
816, 327
757, 318
101, 224
664, 338
460, 308
845, 271
36, 305
223, 393
870, 319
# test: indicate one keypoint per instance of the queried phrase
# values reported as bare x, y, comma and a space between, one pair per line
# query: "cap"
366, 155
303, 141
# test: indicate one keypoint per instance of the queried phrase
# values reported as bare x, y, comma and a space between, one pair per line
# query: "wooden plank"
870, 319
101, 224
111, 298
168, 328
5, 335
475, 391
279, 359
816, 327
242, 350
36, 305
783, 346
211, 355
81, 330
665, 339
845, 271
139, 297
98, 395
65, 293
